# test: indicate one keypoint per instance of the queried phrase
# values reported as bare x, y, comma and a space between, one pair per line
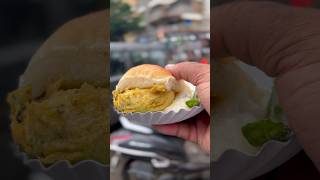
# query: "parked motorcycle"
138, 152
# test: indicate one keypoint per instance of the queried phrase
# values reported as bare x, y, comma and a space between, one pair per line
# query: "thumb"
192, 72
198, 75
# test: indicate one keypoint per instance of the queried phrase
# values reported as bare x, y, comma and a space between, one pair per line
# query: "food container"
63, 170
234, 163
154, 118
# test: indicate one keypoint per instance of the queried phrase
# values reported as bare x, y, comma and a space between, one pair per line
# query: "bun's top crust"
151, 70
145, 76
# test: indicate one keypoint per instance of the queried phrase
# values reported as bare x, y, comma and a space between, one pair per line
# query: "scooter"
138, 152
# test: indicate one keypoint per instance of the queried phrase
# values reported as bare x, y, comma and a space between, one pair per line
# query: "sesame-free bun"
77, 52
146, 75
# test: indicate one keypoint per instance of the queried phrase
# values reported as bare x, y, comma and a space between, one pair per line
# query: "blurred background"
24, 26
159, 32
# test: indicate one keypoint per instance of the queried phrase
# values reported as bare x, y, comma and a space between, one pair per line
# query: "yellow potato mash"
155, 98
63, 124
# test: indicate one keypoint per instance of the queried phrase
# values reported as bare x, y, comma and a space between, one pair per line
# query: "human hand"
283, 42
196, 129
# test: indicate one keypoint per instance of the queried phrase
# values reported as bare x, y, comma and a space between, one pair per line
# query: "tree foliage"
122, 20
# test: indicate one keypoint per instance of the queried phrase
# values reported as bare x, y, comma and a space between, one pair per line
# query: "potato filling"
64, 124
155, 98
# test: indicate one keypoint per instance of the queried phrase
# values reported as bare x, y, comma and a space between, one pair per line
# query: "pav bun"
145, 76
77, 52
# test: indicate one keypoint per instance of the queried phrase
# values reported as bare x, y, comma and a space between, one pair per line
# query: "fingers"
192, 72
236, 32
268, 39
182, 130
197, 74
196, 130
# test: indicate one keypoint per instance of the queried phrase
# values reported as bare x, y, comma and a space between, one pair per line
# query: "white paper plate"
153, 118
63, 170
235, 165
